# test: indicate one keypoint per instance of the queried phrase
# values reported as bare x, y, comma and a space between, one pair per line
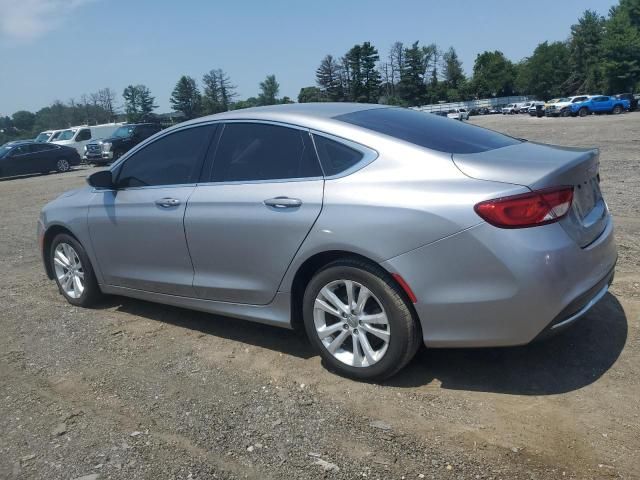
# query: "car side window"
256, 151
84, 134
174, 159
334, 156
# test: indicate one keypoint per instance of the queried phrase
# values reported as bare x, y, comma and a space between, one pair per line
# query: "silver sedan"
376, 228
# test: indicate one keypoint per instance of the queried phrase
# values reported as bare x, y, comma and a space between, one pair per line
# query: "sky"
59, 49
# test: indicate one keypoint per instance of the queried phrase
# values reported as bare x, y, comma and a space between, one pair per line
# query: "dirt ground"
137, 390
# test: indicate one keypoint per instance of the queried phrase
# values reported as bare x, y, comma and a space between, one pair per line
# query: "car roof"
309, 115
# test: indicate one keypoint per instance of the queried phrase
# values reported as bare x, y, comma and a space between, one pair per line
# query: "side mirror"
101, 179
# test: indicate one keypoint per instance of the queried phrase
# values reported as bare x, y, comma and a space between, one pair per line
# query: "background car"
599, 104
376, 228
122, 140
633, 100
47, 136
24, 158
458, 114
562, 108
510, 109
78, 137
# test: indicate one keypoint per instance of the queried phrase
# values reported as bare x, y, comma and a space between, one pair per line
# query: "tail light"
539, 207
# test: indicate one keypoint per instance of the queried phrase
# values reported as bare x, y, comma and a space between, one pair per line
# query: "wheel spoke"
348, 284
80, 274
59, 262
334, 300
329, 329
376, 318
363, 296
338, 341
381, 334
322, 305
68, 282
59, 255
77, 285
366, 348
357, 356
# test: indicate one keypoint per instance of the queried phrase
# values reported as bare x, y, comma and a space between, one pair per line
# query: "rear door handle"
168, 202
283, 202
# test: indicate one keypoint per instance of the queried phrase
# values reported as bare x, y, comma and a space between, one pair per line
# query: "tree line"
601, 55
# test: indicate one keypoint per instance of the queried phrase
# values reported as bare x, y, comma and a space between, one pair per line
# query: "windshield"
563, 99
123, 132
66, 135
43, 137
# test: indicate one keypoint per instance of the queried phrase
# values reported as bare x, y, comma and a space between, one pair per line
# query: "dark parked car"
29, 157
633, 101
123, 139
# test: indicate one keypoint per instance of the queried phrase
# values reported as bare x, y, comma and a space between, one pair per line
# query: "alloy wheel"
69, 270
62, 165
351, 323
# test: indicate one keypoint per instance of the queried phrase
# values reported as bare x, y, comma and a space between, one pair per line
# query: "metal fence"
469, 104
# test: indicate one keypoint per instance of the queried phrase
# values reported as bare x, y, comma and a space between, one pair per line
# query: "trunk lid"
539, 166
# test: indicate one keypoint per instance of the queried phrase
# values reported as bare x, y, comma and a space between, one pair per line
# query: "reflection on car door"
245, 225
137, 229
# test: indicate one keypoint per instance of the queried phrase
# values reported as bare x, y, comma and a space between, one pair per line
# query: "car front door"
258, 201
25, 160
137, 229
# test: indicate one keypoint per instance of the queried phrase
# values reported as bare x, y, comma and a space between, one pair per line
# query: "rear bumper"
488, 287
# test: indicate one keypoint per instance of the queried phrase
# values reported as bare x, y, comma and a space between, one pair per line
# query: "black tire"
583, 112
565, 113
617, 110
91, 293
405, 331
62, 165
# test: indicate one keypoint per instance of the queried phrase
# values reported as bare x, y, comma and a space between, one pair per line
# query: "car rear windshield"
427, 130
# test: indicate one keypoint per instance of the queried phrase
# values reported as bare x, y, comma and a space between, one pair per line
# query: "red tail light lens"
527, 210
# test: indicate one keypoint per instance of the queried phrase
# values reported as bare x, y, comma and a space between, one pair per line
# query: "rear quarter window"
428, 130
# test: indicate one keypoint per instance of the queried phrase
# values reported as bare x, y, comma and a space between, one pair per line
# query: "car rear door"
261, 194
137, 229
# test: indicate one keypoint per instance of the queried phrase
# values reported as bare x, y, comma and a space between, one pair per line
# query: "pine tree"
186, 98
328, 78
270, 88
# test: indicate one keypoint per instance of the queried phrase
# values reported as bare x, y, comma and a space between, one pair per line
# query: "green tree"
23, 120
412, 86
138, 103
585, 48
310, 94
621, 48
329, 79
186, 97
364, 78
269, 90
545, 73
453, 72
219, 92
493, 75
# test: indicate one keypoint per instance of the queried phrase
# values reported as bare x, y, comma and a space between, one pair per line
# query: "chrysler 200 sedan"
376, 228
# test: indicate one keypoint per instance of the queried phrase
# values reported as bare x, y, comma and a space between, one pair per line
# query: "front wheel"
73, 271
617, 110
360, 320
583, 112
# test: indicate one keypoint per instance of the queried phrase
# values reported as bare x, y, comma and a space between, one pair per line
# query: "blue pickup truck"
599, 104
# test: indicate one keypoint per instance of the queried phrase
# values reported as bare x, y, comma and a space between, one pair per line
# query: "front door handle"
168, 202
283, 202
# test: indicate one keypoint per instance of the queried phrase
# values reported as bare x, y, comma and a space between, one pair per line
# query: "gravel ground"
136, 390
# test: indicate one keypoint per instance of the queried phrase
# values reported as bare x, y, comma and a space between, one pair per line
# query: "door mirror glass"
102, 179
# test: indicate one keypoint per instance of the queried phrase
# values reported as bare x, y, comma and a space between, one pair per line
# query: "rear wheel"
62, 165
359, 320
565, 113
583, 112
73, 271
617, 110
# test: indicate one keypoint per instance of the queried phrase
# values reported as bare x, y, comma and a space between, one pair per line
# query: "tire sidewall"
397, 317
91, 289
